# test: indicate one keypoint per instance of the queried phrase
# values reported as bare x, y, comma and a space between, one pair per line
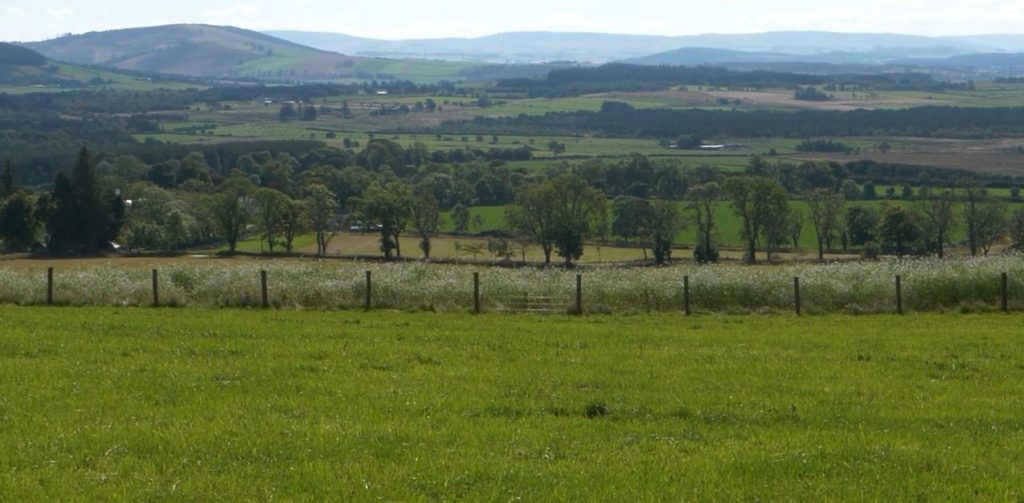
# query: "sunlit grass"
241, 405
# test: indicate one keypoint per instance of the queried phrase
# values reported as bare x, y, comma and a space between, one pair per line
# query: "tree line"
135, 102
769, 222
619, 119
107, 200
629, 77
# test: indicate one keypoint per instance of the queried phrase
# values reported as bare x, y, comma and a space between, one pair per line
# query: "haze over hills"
514, 47
219, 52
711, 56
930, 60
527, 47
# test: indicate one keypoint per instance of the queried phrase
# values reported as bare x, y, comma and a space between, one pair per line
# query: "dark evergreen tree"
7, 180
61, 217
82, 218
17, 223
90, 218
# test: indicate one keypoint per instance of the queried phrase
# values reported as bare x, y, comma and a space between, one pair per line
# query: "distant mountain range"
531, 47
224, 52
961, 66
710, 56
221, 52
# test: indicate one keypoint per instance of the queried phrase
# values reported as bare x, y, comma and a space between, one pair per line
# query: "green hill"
226, 52
24, 70
13, 55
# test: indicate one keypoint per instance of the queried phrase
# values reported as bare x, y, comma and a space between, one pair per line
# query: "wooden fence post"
686, 295
579, 294
796, 294
899, 295
49, 286
1005, 291
368, 302
476, 292
156, 289
263, 289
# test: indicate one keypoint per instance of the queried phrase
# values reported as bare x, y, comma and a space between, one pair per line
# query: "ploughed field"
100, 403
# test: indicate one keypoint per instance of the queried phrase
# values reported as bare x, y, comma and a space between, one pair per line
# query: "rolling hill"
24, 70
226, 52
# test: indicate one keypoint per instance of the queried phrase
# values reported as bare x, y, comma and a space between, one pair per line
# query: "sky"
400, 19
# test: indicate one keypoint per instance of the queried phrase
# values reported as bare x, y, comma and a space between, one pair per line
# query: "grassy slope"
242, 405
112, 80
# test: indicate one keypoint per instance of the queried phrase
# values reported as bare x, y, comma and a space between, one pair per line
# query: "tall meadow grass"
864, 287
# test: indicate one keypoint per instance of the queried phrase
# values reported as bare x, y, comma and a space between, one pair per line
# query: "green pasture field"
728, 224
986, 95
122, 82
114, 81
541, 106
241, 405
575, 145
507, 106
458, 247
176, 138
258, 121
256, 244
248, 120
416, 70
421, 71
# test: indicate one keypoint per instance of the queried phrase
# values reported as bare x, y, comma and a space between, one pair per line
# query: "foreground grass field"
138, 404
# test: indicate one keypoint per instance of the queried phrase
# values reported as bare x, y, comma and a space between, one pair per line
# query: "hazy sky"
23, 20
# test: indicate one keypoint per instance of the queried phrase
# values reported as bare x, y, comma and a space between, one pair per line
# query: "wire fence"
970, 285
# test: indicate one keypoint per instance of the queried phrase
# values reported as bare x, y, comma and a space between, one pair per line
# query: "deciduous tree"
426, 219
703, 200
897, 228
386, 207
270, 206
231, 210
293, 222
825, 206
757, 201
558, 214
662, 226
321, 205
937, 213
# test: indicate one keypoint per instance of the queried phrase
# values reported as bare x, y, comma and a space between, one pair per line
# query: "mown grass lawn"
138, 404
